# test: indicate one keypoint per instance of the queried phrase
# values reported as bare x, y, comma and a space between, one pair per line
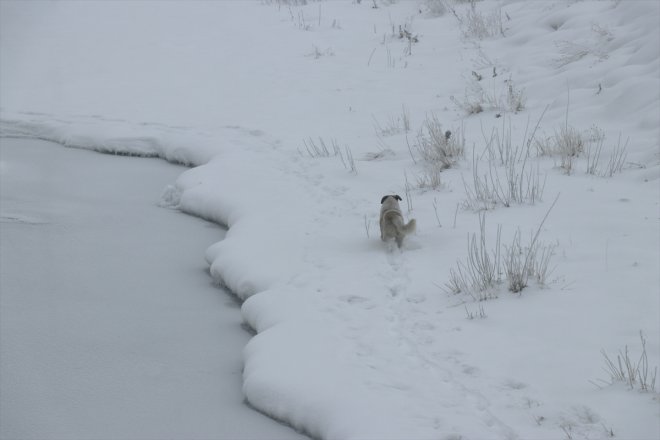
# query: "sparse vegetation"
402, 32
436, 8
476, 25
347, 159
394, 124
469, 105
509, 99
407, 189
572, 51
430, 178
569, 144
480, 275
615, 162
635, 374
524, 262
321, 149
510, 178
367, 225
317, 53
515, 98
480, 313
437, 147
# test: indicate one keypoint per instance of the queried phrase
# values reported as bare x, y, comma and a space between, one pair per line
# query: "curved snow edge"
232, 261
114, 138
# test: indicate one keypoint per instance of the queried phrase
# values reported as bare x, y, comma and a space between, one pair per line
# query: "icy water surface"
110, 325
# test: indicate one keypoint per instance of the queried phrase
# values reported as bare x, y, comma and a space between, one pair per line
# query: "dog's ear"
398, 197
383, 199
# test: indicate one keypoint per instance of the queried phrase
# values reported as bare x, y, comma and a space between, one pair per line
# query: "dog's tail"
410, 226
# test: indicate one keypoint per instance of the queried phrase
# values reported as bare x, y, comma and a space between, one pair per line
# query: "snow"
356, 340
109, 326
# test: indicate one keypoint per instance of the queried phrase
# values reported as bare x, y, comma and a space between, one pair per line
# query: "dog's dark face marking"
396, 196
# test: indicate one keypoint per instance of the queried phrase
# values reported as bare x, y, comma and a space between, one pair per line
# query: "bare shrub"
347, 159
514, 257
367, 225
476, 25
470, 105
514, 180
509, 99
394, 124
481, 273
515, 98
430, 178
317, 53
405, 118
635, 374
572, 51
436, 8
615, 162
524, 262
438, 147
407, 189
479, 313
567, 143
320, 149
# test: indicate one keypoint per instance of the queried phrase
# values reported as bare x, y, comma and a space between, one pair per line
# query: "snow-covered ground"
110, 327
357, 340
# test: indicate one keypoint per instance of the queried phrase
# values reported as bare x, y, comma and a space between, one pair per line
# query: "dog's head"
394, 196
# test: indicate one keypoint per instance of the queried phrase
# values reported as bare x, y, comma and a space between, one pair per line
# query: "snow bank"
358, 342
180, 145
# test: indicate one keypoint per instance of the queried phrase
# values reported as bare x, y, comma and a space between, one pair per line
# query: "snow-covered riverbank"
110, 326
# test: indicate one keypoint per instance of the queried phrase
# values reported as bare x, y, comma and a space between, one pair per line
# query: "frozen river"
110, 324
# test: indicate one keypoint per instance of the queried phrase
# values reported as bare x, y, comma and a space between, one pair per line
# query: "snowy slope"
356, 340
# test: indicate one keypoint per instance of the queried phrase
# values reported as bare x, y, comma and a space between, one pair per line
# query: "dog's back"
391, 220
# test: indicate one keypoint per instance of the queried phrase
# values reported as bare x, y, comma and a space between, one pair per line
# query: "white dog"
391, 220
